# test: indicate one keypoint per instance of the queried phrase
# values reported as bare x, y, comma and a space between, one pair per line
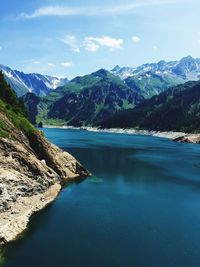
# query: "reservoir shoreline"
180, 137
164, 134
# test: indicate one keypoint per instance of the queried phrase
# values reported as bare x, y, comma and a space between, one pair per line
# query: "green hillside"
13, 109
96, 97
150, 84
86, 100
177, 109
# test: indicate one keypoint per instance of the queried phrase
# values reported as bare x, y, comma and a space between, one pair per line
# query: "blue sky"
70, 38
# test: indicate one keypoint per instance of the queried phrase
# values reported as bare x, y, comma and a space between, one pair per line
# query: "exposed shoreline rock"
175, 136
32, 173
169, 135
188, 138
14, 221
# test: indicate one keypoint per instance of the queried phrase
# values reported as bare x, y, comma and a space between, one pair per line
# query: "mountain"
91, 99
87, 100
31, 102
32, 170
188, 68
154, 78
177, 109
38, 84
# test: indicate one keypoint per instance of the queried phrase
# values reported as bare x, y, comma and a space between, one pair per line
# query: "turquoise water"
141, 208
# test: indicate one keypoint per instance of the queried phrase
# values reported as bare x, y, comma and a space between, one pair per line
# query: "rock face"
189, 138
32, 172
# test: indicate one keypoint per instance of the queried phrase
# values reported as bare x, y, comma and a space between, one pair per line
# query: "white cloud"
90, 45
36, 62
66, 64
72, 42
50, 11
94, 43
51, 64
132, 6
93, 10
45, 67
136, 39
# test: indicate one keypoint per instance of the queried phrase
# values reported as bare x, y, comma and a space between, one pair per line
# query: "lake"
141, 207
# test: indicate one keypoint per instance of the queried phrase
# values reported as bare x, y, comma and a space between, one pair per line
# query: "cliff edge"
32, 170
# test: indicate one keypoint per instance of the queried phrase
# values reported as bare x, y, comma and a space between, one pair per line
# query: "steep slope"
177, 109
92, 98
38, 84
150, 84
31, 102
32, 170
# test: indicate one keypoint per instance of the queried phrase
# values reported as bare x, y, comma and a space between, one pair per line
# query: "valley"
100, 98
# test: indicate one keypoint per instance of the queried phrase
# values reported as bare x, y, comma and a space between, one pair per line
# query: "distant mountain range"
84, 100
95, 98
154, 78
36, 83
148, 79
188, 68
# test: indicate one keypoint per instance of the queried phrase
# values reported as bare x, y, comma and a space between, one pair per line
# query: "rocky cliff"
188, 138
32, 172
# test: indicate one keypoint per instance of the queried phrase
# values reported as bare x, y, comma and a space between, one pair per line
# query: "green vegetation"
102, 99
2, 257
91, 99
177, 109
13, 109
84, 101
9, 96
150, 84
3, 130
18, 87
31, 101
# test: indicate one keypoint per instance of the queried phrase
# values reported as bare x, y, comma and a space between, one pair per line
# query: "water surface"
141, 207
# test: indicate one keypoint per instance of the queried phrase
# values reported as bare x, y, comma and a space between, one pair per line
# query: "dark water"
140, 208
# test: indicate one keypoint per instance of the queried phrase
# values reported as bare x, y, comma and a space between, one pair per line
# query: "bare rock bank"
188, 138
32, 173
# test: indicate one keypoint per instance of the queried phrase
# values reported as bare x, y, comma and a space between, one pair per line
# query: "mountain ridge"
176, 109
36, 83
32, 170
87, 100
189, 63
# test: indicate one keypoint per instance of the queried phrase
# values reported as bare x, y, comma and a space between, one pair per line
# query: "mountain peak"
23, 83
185, 69
187, 59
161, 63
116, 68
101, 73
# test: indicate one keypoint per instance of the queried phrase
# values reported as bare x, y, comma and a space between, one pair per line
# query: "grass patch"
2, 257
3, 130
18, 120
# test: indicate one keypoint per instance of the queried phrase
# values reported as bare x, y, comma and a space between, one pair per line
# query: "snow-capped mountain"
153, 78
36, 83
188, 68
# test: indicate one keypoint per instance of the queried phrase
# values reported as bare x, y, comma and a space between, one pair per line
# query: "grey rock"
32, 172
